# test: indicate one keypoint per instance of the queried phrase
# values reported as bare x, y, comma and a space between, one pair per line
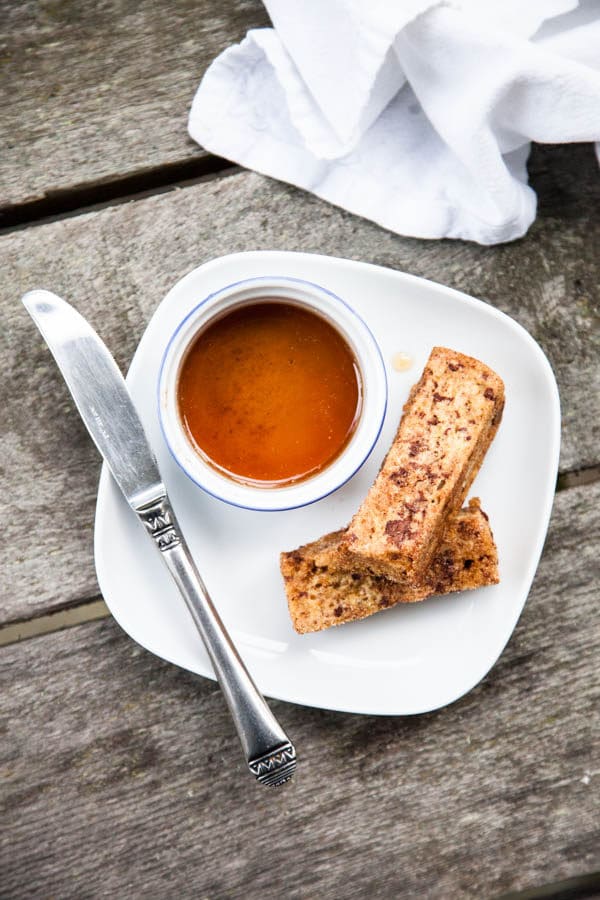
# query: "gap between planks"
76, 614
84, 198
581, 887
578, 478
80, 612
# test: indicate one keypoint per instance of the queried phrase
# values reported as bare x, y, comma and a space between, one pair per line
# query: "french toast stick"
448, 423
321, 593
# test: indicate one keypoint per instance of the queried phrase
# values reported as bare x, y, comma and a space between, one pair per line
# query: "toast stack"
410, 538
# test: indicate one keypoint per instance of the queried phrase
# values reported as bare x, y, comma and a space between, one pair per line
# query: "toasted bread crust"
321, 593
448, 423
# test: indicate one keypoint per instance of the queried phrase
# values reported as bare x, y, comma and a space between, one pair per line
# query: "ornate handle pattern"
269, 753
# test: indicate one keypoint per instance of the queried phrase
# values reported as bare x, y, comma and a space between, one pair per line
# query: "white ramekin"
374, 401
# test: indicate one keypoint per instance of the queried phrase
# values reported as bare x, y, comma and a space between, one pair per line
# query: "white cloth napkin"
415, 114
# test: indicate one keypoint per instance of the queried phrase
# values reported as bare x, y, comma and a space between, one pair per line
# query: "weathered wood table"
118, 777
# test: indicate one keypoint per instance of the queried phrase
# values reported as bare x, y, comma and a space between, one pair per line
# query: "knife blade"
103, 401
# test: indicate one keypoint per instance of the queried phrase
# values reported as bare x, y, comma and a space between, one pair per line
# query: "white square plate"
405, 660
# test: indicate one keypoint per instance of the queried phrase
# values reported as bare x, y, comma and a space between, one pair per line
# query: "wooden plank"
117, 263
97, 90
123, 777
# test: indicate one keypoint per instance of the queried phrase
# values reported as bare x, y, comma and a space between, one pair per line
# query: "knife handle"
270, 755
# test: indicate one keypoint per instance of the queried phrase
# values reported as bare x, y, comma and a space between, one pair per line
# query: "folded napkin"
417, 115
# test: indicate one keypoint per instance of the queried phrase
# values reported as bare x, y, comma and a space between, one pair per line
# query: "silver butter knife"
103, 401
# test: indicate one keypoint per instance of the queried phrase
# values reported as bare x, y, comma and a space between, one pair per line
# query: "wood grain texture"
116, 264
122, 776
94, 90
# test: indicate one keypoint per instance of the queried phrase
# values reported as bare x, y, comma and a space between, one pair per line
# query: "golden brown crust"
322, 593
449, 421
